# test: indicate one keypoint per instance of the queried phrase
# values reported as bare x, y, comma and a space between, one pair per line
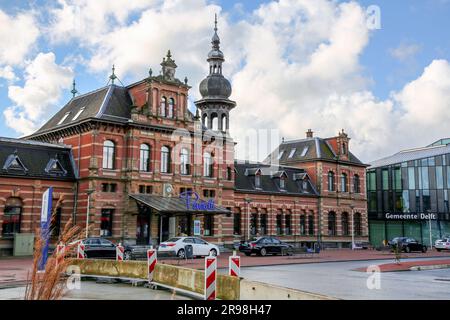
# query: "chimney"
309, 133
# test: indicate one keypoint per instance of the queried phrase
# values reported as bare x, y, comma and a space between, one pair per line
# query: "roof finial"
150, 72
169, 55
74, 90
215, 22
113, 77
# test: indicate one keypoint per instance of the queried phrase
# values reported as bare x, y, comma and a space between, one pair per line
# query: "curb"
431, 267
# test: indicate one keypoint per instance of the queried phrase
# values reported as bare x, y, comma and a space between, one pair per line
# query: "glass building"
408, 194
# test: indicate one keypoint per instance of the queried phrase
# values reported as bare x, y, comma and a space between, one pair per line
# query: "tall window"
345, 225
208, 225
331, 181
165, 159
331, 224
207, 164
254, 224
263, 223
11, 217
279, 224
106, 222
56, 223
162, 106
108, 154
171, 108
302, 225
144, 163
237, 223
344, 183
357, 224
311, 225
184, 161
229, 174
287, 220
356, 184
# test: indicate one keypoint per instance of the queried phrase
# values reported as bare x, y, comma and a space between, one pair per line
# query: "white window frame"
165, 159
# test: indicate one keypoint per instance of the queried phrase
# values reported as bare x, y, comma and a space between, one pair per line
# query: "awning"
174, 205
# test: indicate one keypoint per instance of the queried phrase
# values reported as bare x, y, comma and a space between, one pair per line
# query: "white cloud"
405, 51
17, 35
7, 73
33, 102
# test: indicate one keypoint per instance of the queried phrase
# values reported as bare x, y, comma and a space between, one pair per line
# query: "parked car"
442, 244
265, 245
363, 245
407, 244
176, 247
99, 248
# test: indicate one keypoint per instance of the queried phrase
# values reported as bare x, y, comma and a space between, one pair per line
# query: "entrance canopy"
174, 205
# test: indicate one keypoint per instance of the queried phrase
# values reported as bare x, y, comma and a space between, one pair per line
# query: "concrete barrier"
254, 290
228, 288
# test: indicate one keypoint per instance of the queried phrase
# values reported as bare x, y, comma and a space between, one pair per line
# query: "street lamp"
352, 206
429, 225
248, 200
88, 192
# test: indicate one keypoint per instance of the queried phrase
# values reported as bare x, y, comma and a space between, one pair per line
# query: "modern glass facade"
407, 198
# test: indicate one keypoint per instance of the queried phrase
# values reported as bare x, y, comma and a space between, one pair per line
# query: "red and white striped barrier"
80, 251
152, 259
210, 277
119, 252
60, 251
234, 265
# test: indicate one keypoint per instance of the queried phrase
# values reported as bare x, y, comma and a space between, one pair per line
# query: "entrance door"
164, 228
142, 229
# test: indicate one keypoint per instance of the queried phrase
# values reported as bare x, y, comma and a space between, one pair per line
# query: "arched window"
357, 223
345, 225
163, 106
214, 121
207, 164
229, 174
224, 122
144, 157
331, 223
237, 222
108, 154
302, 225
184, 161
331, 181
171, 108
356, 184
12, 216
344, 183
311, 225
165, 159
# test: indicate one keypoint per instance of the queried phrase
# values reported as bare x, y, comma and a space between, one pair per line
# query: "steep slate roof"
313, 148
35, 157
412, 154
244, 179
111, 103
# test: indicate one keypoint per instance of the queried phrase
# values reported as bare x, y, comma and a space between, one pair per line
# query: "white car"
442, 244
176, 246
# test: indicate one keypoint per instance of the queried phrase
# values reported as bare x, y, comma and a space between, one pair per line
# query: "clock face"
169, 188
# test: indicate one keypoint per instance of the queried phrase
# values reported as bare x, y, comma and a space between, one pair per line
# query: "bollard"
60, 251
234, 265
152, 259
210, 277
119, 252
80, 251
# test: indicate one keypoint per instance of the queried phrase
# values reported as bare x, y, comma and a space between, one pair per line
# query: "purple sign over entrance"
193, 202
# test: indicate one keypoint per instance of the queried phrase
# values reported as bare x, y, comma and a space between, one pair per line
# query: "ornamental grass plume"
51, 283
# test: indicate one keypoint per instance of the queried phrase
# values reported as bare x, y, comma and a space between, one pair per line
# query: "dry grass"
51, 284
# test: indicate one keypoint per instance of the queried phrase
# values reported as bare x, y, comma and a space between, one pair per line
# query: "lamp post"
352, 206
88, 192
429, 225
247, 201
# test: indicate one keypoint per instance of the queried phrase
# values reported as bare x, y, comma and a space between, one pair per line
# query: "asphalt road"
337, 279
90, 290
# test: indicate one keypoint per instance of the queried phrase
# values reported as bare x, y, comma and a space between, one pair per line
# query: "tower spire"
113, 76
74, 90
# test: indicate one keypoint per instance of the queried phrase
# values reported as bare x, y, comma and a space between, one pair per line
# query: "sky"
293, 64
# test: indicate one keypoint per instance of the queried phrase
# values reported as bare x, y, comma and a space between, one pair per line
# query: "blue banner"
46, 219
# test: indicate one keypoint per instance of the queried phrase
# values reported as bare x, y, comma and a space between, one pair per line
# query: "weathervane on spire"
215, 22
74, 90
113, 77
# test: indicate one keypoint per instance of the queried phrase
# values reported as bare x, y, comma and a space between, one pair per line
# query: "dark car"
407, 244
99, 248
265, 245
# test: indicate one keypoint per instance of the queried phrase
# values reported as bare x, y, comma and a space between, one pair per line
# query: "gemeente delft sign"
410, 216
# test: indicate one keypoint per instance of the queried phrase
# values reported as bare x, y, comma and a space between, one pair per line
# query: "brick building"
136, 149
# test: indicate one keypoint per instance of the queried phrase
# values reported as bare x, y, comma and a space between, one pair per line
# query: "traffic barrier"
80, 251
119, 252
151, 263
210, 277
60, 250
234, 265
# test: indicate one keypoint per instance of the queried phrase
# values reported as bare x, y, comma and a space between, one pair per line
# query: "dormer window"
281, 176
282, 183
343, 148
291, 154
305, 185
54, 167
78, 114
63, 118
258, 180
14, 163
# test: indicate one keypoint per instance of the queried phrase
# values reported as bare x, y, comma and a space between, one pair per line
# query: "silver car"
442, 244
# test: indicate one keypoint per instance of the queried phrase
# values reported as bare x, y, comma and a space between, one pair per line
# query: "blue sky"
413, 34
